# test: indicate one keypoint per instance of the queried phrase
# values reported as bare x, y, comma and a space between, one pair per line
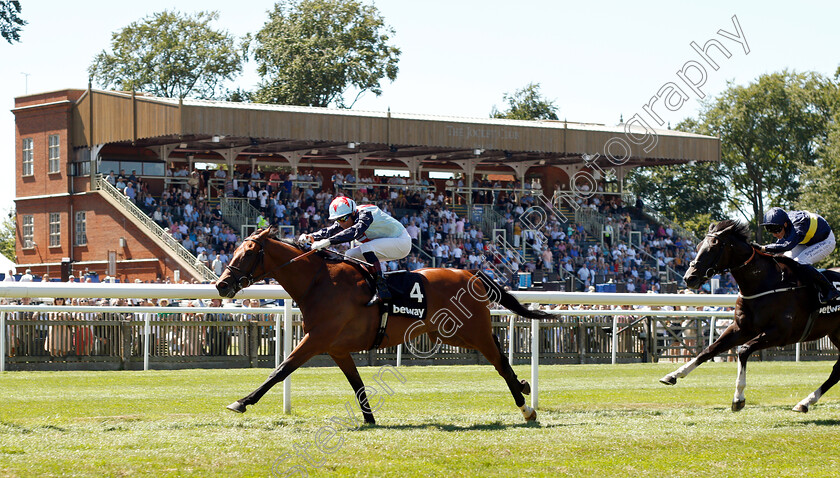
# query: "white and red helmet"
341, 206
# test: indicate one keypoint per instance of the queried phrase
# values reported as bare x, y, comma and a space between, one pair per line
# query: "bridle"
246, 279
711, 271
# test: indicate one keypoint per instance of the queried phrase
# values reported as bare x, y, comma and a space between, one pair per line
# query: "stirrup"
373, 300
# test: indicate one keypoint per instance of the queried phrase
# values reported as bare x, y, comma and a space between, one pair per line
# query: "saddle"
408, 297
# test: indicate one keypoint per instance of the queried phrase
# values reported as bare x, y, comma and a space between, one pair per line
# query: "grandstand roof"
102, 117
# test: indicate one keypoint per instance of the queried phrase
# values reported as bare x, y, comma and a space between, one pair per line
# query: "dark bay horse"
332, 296
773, 308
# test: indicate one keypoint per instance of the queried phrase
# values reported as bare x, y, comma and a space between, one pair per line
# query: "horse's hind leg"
493, 353
730, 337
304, 351
811, 399
348, 366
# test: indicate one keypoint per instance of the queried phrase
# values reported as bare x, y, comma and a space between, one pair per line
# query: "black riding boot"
382, 293
826, 289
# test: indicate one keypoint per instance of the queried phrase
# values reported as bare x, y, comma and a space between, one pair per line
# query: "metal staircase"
184, 258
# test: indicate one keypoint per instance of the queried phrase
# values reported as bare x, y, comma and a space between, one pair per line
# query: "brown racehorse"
332, 296
773, 308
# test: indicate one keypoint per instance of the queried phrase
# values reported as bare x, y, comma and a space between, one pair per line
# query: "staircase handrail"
154, 229
661, 218
238, 212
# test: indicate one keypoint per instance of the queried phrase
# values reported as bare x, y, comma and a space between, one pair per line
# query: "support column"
294, 157
468, 166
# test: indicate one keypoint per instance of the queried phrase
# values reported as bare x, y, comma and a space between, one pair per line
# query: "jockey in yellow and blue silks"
805, 237
378, 237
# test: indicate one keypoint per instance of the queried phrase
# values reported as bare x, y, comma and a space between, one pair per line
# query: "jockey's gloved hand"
318, 245
305, 239
757, 246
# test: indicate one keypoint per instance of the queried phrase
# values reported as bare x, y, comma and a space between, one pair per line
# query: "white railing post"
3, 336
535, 362
797, 351
146, 334
614, 338
399, 355
287, 349
278, 340
511, 331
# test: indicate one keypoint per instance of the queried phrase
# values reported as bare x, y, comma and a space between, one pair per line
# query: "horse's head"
246, 266
719, 251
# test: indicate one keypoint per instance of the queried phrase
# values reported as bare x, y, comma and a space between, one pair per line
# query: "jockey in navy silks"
378, 237
806, 238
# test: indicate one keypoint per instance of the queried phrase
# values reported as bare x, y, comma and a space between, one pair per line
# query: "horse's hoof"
669, 380
526, 387
801, 408
237, 407
738, 405
532, 417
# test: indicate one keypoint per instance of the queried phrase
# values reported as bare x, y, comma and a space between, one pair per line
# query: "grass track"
594, 420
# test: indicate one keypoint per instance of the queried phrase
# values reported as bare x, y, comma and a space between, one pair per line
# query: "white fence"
283, 316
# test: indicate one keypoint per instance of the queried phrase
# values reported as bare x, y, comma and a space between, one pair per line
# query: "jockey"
806, 238
378, 235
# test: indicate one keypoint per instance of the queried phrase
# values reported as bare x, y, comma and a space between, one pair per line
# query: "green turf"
594, 420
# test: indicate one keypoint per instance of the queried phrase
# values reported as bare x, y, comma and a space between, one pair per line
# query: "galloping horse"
773, 308
332, 295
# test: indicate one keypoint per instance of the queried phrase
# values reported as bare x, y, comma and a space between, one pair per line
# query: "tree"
10, 23
7, 235
821, 184
769, 131
169, 54
527, 104
312, 52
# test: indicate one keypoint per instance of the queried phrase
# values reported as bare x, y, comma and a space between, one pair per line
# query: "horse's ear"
712, 227
273, 230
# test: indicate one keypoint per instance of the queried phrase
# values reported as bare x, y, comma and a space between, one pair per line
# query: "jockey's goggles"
344, 217
774, 228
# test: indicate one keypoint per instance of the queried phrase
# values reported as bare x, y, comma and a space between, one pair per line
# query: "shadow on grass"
821, 423
449, 427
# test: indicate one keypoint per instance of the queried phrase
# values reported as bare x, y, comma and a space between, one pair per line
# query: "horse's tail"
498, 294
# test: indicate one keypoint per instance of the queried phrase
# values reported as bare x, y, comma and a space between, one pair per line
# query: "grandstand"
152, 189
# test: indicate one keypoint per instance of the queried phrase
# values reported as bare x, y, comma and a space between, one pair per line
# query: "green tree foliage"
7, 235
821, 184
169, 54
769, 132
527, 104
312, 52
10, 21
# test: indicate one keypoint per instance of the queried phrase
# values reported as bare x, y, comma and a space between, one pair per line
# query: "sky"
598, 61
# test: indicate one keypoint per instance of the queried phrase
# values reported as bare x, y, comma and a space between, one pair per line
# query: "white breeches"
385, 248
813, 253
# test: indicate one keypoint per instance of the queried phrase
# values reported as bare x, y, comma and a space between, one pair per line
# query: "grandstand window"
28, 159
142, 168
440, 175
390, 172
54, 154
55, 229
28, 231
81, 228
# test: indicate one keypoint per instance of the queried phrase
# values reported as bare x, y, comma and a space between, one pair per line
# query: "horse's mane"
292, 242
739, 229
329, 256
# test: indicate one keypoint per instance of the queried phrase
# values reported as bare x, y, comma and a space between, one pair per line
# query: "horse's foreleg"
348, 366
304, 351
811, 399
761, 342
730, 337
